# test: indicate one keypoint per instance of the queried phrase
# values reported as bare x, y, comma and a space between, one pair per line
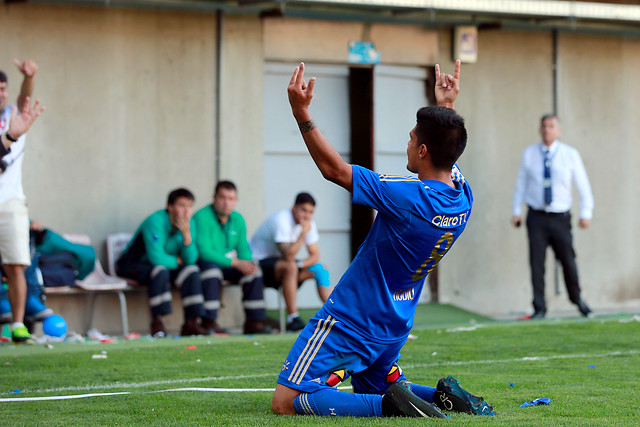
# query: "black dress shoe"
538, 315
257, 327
192, 327
584, 309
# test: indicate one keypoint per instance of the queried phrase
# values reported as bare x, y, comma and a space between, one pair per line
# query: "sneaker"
450, 396
295, 324
400, 401
21, 335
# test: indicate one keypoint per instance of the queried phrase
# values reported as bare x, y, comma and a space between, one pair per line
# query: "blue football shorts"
327, 352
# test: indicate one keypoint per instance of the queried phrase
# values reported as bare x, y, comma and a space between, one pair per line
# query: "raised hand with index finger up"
447, 86
300, 94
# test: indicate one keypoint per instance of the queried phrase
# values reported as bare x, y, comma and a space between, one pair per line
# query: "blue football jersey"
416, 225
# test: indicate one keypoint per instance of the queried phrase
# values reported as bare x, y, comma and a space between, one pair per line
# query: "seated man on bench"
225, 254
163, 251
276, 244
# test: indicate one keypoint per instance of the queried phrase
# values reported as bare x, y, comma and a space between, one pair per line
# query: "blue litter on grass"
592, 366
511, 384
15, 391
539, 401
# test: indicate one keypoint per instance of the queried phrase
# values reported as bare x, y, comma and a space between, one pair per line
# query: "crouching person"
163, 251
225, 254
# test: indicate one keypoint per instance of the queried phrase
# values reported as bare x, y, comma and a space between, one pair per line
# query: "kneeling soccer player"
362, 327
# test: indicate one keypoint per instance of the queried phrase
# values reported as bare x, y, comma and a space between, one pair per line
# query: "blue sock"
424, 392
330, 401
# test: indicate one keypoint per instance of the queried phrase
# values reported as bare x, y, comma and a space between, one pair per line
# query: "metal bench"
116, 243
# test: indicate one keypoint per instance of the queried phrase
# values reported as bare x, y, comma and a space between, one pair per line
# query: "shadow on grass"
427, 315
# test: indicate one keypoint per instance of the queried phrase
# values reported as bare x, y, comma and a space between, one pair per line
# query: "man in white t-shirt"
14, 218
276, 244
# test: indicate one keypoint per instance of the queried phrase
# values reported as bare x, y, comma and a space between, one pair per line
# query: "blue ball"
54, 326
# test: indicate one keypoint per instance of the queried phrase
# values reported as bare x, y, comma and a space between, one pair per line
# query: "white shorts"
14, 232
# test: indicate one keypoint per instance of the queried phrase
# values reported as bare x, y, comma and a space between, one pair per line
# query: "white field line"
76, 396
227, 390
148, 383
236, 377
521, 359
81, 396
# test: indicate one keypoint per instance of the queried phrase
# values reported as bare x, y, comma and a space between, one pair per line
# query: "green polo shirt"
221, 243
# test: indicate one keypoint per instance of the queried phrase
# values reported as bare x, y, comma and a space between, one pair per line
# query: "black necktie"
547, 177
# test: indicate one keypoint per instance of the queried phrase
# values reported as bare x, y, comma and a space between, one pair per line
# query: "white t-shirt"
11, 178
279, 228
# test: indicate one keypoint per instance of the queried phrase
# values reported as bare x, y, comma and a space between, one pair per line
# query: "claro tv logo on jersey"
450, 221
407, 295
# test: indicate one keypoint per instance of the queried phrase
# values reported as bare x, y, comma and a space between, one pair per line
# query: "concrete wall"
293, 40
599, 104
241, 114
502, 98
130, 111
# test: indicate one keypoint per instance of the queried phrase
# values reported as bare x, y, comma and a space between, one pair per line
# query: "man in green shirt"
225, 254
163, 251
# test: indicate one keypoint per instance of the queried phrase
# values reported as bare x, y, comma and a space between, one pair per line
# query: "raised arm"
28, 69
447, 86
326, 158
20, 123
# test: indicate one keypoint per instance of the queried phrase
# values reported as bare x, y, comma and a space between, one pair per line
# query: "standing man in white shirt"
276, 244
547, 171
14, 217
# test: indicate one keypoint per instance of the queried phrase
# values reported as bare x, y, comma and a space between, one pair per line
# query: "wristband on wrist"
9, 137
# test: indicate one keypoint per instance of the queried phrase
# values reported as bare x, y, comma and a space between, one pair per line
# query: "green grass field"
589, 368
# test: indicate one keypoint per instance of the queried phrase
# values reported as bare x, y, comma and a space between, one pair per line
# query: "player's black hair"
303, 198
3, 77
225, 185
548, 116
177, 193
442, 131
